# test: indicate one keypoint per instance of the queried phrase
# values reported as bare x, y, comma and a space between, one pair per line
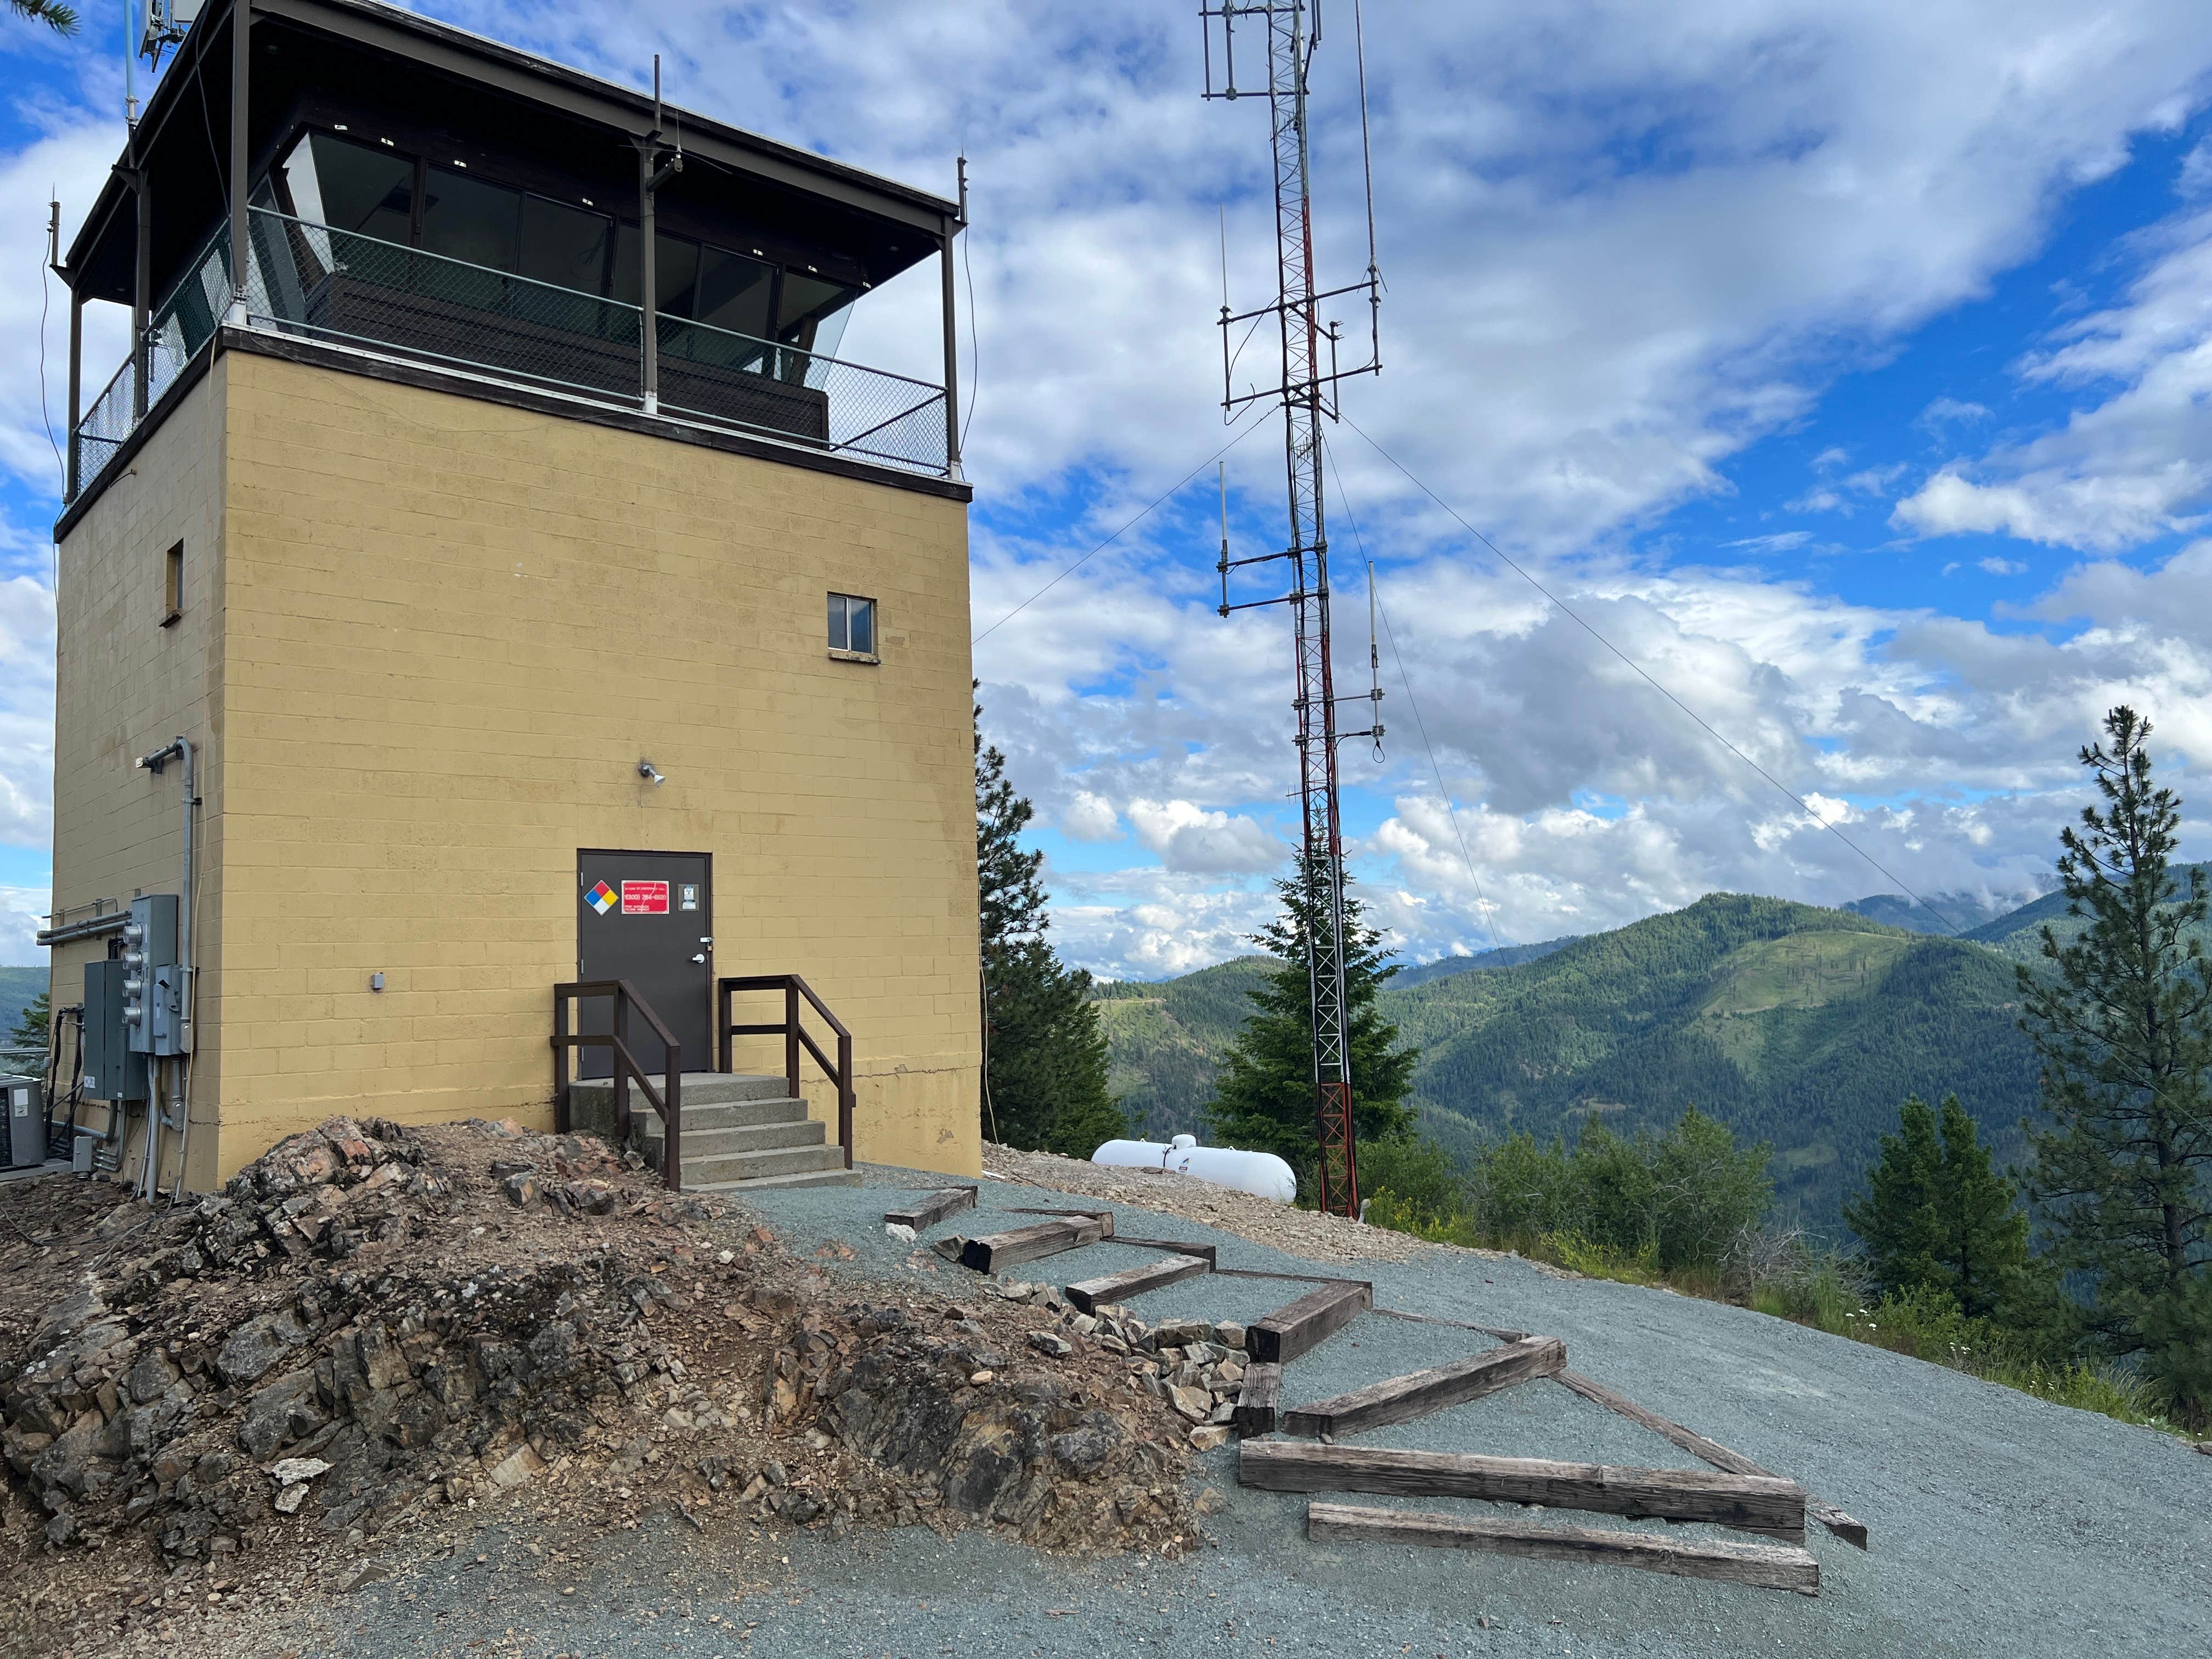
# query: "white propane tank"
1262, 1174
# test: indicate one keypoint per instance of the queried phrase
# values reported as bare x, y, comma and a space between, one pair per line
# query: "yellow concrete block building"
508, 652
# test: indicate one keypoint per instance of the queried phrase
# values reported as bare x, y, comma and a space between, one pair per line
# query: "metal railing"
795, 1036
320, 282
667, 1100
178, 329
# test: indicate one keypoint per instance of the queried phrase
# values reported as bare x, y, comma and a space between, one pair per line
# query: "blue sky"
1846, 365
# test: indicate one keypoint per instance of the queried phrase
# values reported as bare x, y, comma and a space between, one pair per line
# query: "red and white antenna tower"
1282, 37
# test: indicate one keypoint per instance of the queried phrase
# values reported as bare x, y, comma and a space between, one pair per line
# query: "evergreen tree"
1937, 1215
2122, 1019
1044, 1074
1263, 1095
61, 19
31, 1026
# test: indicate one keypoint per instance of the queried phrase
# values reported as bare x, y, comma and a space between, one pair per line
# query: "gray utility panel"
153, 1002
26, 1122
112, 1072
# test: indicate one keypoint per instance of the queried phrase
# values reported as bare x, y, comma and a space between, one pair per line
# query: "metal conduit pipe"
178, 748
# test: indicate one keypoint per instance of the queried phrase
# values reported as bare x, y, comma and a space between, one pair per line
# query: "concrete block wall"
450, 631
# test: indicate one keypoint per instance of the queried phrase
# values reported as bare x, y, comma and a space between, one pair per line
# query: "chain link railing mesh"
355, 290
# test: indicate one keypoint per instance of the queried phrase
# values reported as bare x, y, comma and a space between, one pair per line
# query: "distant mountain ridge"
1798, 1026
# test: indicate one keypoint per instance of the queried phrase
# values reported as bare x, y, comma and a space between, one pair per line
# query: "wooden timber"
1399, 1399
1768, 1566
1299, 1326
996, 1251
1103, 1217
1456, 1324
1135, 1282
1259, 1402
1208, 1254
1760, 1504
1842, 1525
933, 1208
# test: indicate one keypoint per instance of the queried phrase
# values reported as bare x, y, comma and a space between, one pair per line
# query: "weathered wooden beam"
996, 1251
1768, 1566
1456, 1324
1259, 1402
1842, 1525
1399, 1399
1208, 1254
933, 1208
1103, 1217
1760, 1504
1135, 1282
1291, 1330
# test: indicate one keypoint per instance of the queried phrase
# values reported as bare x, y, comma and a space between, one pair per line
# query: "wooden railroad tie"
1842, 1525
1399, 1399
1103, 1217
1290, 1331
933, 1208
1768, 1566
1208, 1252
1259, 1401
1762, 1504
996, 1251
1135, 1282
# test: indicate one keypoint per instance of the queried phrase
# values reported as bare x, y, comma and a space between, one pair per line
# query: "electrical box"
112, 1072
165, 1009
26, 1122
150, 944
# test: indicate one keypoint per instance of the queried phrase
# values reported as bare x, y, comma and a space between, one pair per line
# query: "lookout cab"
501, 638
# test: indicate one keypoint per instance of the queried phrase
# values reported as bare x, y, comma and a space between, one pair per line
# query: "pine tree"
2122, 1017
1044, 1074
1937, 1215
1263, 1094
31, 1027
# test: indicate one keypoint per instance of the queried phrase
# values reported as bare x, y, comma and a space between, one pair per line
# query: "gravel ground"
2001, 1525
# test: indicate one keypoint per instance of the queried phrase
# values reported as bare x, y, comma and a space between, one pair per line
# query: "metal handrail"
795, 1036
666, 1101
877, 404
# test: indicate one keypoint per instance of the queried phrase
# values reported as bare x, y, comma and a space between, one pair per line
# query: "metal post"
76, 384
561, 1124
242, 60
791, 1037
649, 322
671, 1137
723, 1026
142, 293
845, 1096
952, 229
620, 1067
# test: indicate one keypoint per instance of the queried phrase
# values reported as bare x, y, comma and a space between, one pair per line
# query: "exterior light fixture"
646, 770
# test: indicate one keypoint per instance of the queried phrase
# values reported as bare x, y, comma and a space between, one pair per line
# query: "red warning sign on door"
645, 898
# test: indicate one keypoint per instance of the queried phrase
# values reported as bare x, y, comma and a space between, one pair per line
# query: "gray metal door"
647, 918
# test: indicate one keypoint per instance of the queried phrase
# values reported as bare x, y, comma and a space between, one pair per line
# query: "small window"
852, 626
173, 584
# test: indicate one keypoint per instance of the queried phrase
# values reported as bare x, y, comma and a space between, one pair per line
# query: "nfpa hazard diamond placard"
602, 898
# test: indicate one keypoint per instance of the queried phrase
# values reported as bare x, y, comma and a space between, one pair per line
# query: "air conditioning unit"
25, 1097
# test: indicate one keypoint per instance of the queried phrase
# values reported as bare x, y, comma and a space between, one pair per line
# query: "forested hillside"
1800, 1026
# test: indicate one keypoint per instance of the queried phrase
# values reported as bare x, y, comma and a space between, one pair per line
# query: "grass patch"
1821, 1290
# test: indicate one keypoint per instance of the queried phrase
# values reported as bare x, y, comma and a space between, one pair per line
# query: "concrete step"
730, 1141
839, 1176
745, 1099
645, 1123
716, 1168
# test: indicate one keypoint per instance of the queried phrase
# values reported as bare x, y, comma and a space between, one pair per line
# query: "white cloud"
27, 712
1190, 840
22, 913
1090, 818
2132, 467
1997, 567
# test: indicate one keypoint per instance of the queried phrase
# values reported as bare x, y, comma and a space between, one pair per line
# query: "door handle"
702, 957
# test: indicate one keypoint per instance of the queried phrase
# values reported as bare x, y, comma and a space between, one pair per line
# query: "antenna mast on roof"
1282, 37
